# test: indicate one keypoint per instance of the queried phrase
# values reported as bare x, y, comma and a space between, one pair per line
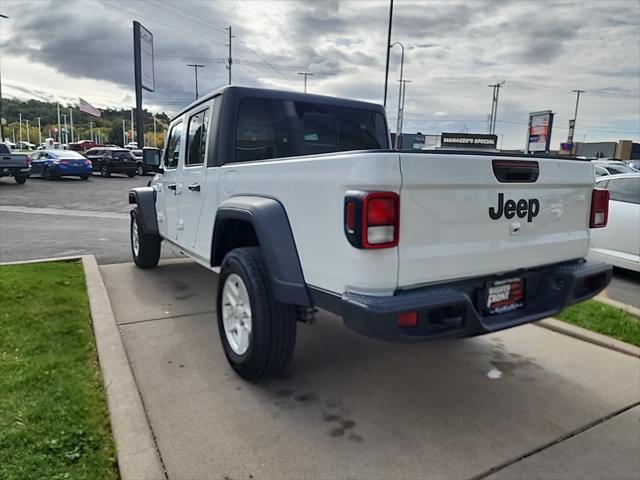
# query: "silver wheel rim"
236, 314
135, 238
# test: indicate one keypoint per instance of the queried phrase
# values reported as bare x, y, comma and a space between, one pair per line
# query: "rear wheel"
140, 170
131, 174
258, 334
104, 171
84, 177
145, 248
20, 178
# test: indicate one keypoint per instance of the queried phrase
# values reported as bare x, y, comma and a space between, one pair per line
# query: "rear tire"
84, 177
47, 174
140, 170
104, 171
20, 178
145, 248
131, 174
272, 325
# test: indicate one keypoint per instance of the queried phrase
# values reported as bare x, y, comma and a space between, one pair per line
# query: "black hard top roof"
240, 92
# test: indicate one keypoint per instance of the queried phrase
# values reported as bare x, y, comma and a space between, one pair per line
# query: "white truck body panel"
445, 230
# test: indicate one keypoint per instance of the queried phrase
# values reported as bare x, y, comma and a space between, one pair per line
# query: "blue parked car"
50, 164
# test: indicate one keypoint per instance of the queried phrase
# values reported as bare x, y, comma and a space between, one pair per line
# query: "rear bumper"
454, 309
70, 170
10, 171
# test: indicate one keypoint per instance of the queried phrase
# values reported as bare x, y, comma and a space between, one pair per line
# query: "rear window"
271, 128
121, 154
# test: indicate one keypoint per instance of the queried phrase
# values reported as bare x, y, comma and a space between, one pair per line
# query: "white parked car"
619, 242
611, 167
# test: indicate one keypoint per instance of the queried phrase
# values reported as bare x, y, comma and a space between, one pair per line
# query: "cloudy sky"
62, 49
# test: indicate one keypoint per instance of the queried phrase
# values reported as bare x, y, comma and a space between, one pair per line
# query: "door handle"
172, 186
194, 187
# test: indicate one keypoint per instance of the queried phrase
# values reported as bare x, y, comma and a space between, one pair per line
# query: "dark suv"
108, 160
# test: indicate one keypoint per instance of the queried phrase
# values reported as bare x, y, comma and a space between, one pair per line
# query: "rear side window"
197, 138
625, 189
172, 152
272, 128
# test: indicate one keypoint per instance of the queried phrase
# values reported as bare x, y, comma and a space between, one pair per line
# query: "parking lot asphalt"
523, 403
68, 216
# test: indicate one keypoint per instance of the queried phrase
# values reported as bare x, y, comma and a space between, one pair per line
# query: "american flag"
88, 108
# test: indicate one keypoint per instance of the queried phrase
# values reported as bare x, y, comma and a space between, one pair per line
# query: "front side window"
276, 128
197, 138
172, 153
625, 189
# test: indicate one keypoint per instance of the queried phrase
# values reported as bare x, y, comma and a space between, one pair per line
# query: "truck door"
168, 188
192, 175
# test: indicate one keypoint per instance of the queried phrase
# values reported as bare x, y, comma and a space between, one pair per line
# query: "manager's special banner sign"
468, 140
540, 124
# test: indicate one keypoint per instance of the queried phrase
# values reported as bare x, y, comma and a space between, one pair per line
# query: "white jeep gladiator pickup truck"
301, 203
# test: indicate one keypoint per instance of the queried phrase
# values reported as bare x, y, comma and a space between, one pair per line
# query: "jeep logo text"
523, 208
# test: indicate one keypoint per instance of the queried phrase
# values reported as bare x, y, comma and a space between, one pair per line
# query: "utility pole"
28, 136
59, 130
91, 130
305, 74
229, 60
124, 132
195, 69
20, 127
398, 120
155, 138
403, 85
386, 70
39, 132
494, 106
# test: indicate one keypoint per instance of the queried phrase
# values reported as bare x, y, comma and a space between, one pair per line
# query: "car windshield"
68, 154
121, 154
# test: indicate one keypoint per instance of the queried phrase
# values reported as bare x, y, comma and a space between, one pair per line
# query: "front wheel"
47, 174
84, 177
20, 178
140, 170
258, 333
104, 171
145, 248
131, 174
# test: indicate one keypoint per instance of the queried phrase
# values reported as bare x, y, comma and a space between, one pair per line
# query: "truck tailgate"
446, 227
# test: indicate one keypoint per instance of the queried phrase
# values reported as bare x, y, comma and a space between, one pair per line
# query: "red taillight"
407, 319
371, 219
599, 208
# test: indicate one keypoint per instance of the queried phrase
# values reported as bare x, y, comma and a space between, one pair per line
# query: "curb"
137, 453
44, 260
589, 336
615, 303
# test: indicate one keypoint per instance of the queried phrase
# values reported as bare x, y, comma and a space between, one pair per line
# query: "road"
68, 217
42, 219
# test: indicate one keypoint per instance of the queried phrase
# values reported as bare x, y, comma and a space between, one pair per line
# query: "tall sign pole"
144, 72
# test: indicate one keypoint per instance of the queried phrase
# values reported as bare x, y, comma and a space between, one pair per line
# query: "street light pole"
386, 70
575, 113
403, 83
28, 136
20, 127
1, 109
66, 138
195, 68
39, 132
398, 120
155, 138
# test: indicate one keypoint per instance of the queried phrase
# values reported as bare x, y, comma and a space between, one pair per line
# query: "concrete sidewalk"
524, 403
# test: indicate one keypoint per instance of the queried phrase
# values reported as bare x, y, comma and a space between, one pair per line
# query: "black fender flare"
273, 231
145, 200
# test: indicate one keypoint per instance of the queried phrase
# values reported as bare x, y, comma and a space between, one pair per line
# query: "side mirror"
151, 158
